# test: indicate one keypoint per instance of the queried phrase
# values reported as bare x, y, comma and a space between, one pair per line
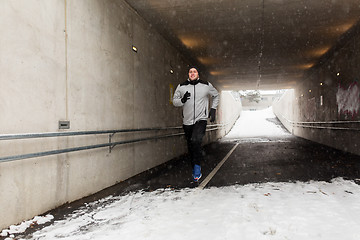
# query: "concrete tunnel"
101, 73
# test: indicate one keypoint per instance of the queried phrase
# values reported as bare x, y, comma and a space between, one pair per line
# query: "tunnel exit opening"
257, 121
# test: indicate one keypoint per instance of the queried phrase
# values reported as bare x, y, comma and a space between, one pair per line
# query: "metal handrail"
309, 124
64, 134
328, 127
330, 122
67, 150
75, 149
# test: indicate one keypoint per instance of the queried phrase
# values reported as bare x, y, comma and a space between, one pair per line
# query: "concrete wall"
229, 111
328, 98
73, 60
284, 109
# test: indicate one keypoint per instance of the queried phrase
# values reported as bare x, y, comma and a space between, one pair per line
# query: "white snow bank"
311, 210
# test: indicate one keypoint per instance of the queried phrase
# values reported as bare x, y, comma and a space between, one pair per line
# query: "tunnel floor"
255, 160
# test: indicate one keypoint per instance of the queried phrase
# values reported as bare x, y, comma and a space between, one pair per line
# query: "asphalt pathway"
256, 160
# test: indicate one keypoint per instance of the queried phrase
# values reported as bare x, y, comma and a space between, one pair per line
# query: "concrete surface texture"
73, 60
230, 109
325, 107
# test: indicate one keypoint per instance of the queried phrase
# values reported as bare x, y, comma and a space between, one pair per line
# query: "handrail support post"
111, 146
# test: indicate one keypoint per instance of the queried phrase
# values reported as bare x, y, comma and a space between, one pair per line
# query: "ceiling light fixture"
191, 42
134, 49
305, 66
320, 51
207, 60
343, 27
217, 73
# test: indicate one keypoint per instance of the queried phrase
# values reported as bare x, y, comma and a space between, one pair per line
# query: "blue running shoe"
197, 173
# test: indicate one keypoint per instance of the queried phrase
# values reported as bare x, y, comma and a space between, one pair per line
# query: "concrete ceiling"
252, 44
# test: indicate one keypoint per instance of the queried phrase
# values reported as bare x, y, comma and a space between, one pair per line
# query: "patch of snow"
13, 229
302, 210
252, 124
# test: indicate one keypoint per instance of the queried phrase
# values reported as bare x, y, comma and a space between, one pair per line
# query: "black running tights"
194, 135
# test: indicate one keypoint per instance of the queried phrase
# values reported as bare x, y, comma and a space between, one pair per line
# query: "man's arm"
215, 95
177, 98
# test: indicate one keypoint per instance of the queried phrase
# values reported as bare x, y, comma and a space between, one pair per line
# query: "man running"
193, 95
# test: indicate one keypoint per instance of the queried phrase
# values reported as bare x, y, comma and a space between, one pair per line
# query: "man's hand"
185, 97
212, 115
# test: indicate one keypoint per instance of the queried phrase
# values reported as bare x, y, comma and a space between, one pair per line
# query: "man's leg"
188, 130
196, 140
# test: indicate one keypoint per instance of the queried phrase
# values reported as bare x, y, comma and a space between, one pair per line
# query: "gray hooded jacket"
197, 107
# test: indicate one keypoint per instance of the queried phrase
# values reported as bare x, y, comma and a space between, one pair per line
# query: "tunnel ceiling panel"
252, 44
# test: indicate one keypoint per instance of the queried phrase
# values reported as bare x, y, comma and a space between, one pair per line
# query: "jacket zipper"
194, 104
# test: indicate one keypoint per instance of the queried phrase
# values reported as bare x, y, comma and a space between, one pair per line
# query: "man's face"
193, 74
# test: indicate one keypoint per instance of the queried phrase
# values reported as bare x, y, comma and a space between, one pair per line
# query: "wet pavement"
285, 159
255, 160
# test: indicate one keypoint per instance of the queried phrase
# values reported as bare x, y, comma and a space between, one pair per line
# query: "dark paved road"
285, 159
263, 159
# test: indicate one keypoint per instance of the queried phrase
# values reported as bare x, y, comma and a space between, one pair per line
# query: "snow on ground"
312, 210
301, 210
26, 224
255, 124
